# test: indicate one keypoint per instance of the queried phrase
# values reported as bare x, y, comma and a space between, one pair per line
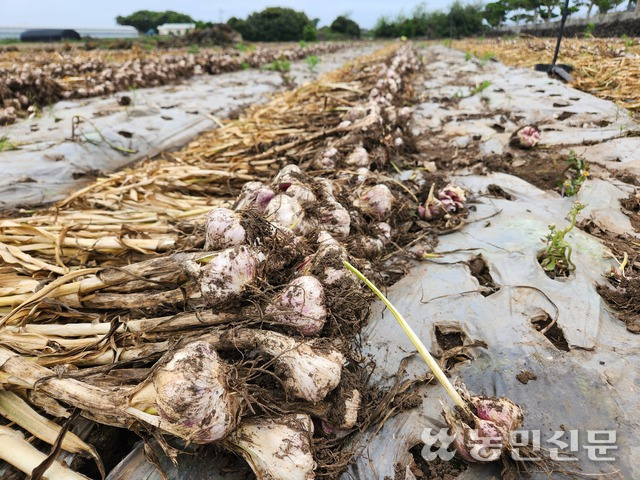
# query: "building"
108, 32
177, 29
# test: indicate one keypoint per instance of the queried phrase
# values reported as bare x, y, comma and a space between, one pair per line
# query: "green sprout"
245, 65
480, 88
588, 32
6, 144
578, 171
279, 65
467, 56
194, 49
312, 63
557, 255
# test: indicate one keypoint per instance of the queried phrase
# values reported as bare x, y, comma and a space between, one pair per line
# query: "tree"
496, 13
605, 6
273, 24
346, 26
465, 20
145, 20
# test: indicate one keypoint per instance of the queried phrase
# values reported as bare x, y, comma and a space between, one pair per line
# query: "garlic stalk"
16, 451
422, 349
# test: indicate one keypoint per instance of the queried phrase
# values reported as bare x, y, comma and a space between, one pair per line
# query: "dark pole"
565, 14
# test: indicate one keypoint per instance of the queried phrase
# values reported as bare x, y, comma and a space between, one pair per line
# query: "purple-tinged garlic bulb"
526, 137
301, 305
254, 195
452, 198
376, 201
228, 274
193, 396
501, 411
287, 176
277, 448
223, 228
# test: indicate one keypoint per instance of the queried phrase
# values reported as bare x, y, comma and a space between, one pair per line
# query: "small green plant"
480, 88
302, 44
628, 42
556, 257
279, 65
312, 63
245, 65
6, 144
588, 31
193, 48
467, 56
578, 171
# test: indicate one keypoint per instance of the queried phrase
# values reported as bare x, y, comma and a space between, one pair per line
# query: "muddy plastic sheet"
587, 380
48, 165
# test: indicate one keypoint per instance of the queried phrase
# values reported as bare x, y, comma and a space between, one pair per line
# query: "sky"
102, 13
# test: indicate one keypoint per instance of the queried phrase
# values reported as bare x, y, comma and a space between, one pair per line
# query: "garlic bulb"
192, 394
277, 448
310, 369
254, 195
223, 229
376, 201
501, 411
335, 219
228, 274
358, 158
302, 304
302, 193
284, 212
287, 176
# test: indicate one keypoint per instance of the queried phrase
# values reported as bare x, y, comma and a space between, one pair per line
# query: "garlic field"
416, 265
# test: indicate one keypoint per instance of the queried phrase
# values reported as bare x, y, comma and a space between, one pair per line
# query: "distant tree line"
460, 21
272, 24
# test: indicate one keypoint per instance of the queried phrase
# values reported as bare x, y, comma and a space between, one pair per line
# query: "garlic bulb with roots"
284, 212
301, 305
227, 275
190, 394
254, 195
335, 219
277, 448
223, 228
376, 201
309, 368
494, 420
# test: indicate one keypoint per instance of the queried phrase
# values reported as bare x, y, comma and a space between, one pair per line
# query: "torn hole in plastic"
480, 271
546, 325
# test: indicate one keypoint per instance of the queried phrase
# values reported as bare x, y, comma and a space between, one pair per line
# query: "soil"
435, 470
480, 270
526, 376
624, 299
554, 334
631, 208
539, 168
